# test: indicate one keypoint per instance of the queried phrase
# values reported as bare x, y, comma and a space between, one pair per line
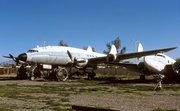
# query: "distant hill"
7, 62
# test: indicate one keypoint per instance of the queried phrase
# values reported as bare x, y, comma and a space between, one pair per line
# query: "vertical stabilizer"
113, 50
139, 48
89, 49
111, 56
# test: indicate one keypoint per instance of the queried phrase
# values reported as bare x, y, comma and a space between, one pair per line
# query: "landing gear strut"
91, 75
33, 72
159, 78
58, 73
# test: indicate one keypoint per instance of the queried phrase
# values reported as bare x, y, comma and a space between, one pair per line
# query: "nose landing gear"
159, 78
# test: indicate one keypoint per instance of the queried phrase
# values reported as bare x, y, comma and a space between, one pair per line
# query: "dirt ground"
132, 100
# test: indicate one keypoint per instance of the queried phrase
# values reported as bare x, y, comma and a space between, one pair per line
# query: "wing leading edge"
129, 55
140, 54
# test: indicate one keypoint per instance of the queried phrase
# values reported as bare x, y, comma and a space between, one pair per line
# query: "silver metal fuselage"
57, 55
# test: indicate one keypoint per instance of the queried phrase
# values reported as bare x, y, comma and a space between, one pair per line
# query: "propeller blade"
16, 59
6, 56
70, 56
11, 56
21, 62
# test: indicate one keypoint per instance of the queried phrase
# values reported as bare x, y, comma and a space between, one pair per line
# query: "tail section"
89, 49
113, 50
111, 56
140, 49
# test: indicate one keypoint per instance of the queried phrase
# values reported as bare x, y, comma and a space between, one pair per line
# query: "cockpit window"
32, 50
160, 55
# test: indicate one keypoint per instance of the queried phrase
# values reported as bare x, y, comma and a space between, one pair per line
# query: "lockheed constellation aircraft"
58, 61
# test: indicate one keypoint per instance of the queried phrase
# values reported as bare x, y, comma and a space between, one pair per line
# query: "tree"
117, 43
178, 59
61, 43
123, 50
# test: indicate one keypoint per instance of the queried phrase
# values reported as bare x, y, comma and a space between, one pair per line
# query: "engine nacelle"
110, 58
176, 67
142, 67
81, 62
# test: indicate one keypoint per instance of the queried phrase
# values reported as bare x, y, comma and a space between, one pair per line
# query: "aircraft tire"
91, 76
62, 74
142, 78
32, 78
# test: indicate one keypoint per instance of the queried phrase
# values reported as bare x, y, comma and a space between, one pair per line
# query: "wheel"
32, 78
142, 78
62, 74
91, 76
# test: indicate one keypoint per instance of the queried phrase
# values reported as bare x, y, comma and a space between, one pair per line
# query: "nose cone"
22, 57
148, 60
152, 64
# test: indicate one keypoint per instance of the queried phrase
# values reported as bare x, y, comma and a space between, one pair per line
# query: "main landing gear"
91, 75
58, 73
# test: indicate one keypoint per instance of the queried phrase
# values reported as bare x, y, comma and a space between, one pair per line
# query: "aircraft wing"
143, 53
129, 55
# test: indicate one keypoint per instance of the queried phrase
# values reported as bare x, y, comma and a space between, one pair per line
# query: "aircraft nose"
148, 60
22, 57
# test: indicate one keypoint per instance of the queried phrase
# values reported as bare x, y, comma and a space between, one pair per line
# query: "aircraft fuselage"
56, 55
157, 63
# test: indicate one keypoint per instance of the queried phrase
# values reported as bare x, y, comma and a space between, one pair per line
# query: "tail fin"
111, 56
113, 50
89, 49
140, 49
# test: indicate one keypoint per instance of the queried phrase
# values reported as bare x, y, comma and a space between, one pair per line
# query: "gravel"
136, 101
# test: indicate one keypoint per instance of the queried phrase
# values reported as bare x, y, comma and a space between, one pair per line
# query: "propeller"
72, 61
16, 59
70, 56
75, 60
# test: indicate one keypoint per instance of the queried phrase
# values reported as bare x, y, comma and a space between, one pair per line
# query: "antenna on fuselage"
43, 44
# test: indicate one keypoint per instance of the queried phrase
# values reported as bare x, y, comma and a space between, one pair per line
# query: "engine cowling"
110, 58
142, 67
176, 67
81, 62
